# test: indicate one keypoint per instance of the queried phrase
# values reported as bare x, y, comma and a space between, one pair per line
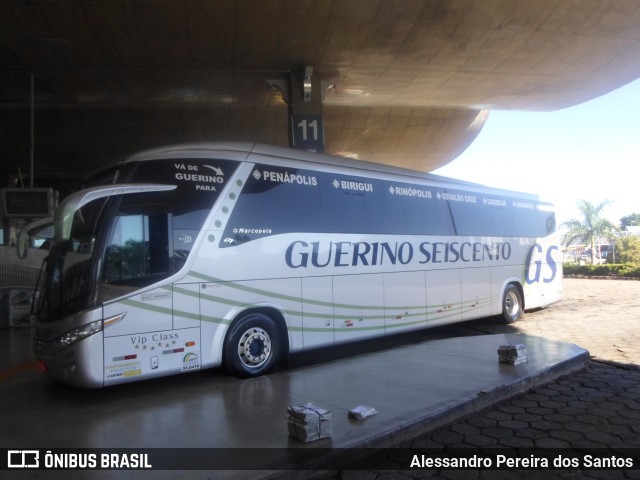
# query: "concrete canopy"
412, 80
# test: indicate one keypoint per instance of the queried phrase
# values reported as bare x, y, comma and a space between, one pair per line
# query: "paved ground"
602, 316
598, 407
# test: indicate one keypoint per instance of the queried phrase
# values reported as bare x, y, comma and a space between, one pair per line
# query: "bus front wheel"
252, 347
512, 306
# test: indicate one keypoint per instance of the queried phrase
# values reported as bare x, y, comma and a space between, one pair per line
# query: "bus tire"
512, 305
252, 347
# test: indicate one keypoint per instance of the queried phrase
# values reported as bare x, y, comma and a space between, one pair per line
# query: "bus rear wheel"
512, 306
252, 347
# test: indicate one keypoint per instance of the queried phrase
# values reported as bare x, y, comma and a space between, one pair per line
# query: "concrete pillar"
304, 93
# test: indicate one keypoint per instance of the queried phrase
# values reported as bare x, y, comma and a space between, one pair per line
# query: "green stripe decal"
290, 298
412, 315
175, 313
417, 311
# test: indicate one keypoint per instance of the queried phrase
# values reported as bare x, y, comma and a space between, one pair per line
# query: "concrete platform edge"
422, 425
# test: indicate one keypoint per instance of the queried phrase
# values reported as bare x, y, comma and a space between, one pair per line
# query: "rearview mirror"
26, 233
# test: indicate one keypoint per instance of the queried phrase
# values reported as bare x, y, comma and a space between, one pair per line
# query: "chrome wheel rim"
511, 304
254, 347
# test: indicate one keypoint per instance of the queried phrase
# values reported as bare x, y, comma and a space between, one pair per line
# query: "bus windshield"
66, 279
111, 239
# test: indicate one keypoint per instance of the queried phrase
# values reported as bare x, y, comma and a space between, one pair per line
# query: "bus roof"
187, 150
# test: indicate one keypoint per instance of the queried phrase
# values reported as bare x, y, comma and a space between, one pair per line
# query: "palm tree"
590, 227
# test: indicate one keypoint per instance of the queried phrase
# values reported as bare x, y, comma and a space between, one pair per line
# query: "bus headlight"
78, 334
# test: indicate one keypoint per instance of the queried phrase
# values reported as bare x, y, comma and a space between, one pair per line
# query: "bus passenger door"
317, 311
405, 302
358, 307
186, 306
443, 297
145, 312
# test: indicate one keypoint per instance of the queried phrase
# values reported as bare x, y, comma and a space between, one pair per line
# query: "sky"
586, 152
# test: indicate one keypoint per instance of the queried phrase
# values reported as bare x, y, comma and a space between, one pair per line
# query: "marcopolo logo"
23, 459
541, 265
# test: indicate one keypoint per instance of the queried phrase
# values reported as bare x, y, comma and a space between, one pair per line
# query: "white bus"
237, 254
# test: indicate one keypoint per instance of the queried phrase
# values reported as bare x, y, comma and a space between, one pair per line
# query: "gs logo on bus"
540, 265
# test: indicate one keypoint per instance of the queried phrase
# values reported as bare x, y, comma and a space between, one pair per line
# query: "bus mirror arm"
69, 206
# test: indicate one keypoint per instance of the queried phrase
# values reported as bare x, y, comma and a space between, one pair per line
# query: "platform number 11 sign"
307, 133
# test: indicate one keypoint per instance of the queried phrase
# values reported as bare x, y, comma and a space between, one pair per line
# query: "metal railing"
17, 275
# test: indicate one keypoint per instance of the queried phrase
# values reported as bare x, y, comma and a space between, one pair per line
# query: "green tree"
631, 220
628, 249
589, 227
